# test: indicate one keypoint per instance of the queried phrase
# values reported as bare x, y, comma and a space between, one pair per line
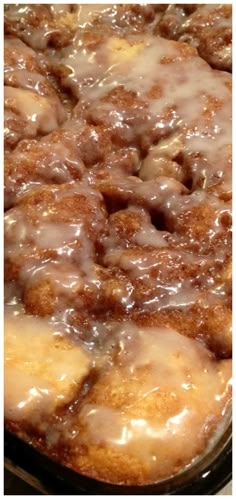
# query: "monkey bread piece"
50, 160
207, 319
132, 227
38, 115
14, 129
208, 27
162, 391
52, 238
43, 371
32, 106
166, 159
62, 289
40, 25
202, 223
118, 162
175, 289
121, 18
172, 157
61, 157
56, 222
198, 221
24, 68
130, 190
216, 48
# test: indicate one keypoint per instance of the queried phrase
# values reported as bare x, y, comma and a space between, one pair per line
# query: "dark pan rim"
208, 476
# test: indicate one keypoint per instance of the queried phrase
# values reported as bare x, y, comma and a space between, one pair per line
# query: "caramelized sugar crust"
118, 234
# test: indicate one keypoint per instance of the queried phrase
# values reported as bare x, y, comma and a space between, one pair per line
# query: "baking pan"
207, 476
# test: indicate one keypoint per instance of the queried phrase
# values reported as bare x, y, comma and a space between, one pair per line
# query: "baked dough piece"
39, 25
32, 107
207, 27
61, 157
50, 225
43, 371
155, 408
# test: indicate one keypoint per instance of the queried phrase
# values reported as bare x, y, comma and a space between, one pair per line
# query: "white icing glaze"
87, 13
149, 236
